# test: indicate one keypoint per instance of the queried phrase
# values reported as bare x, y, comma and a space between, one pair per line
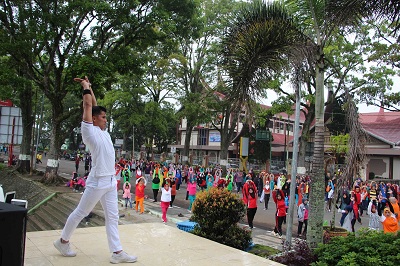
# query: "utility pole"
133, 141
292, 207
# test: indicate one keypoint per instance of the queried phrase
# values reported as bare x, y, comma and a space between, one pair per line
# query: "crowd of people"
379, 200
251, 186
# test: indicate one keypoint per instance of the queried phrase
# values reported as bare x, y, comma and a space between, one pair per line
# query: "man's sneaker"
64, 248
122, 257
273, 233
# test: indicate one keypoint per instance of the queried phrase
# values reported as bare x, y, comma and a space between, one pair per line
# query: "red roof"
384, 126
279, 139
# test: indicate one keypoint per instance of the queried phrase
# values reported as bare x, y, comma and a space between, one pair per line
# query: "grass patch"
263, 251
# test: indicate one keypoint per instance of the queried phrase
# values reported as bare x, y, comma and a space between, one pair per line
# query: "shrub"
367, 248
217, 213
299, 254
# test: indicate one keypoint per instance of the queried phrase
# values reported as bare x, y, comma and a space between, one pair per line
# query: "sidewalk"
143, 235
260, 236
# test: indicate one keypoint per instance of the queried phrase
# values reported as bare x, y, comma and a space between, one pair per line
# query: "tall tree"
256, 55
49, 41
198, 62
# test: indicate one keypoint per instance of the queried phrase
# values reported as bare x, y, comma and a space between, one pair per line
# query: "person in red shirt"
358, 200
250, 199
141, 183
280, 214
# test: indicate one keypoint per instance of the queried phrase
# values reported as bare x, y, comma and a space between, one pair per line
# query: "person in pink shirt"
192, 189
127, 195
302, 214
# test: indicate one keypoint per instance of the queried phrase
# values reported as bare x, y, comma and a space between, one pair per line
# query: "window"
202, 136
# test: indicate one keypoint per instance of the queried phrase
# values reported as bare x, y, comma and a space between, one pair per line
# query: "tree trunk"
226, 132
186, 148
26, 95
317, 189
305, 135
51, 176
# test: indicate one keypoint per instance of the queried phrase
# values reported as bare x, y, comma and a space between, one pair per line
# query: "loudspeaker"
12, 234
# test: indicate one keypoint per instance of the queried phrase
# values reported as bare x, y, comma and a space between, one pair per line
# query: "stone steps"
53, 215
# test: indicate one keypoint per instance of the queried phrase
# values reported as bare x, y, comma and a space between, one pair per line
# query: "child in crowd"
267, 192
139, 193
71, 183
127, 195
155, 185
165, 200
302, 214
81, 183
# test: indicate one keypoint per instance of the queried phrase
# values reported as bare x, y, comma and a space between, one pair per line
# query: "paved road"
264, 219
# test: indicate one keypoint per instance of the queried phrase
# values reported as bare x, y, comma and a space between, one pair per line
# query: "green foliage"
339, 144
367, 248
217, 212
263, 251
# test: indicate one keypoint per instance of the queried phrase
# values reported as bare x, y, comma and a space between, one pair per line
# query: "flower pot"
333, 232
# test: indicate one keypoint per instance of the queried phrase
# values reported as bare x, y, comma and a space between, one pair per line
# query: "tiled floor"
153, 243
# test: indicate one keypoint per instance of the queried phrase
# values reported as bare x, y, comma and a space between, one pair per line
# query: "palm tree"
348, 12
263, 38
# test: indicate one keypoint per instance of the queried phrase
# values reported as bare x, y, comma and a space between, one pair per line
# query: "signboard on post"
7, 115
119, 142
244, 146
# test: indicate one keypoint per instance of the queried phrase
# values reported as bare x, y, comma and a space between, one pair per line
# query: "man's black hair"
96, 110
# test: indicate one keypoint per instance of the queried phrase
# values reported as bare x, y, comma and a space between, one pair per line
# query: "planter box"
186, 226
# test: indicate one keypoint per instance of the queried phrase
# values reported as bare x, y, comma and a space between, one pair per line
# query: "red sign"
6, 103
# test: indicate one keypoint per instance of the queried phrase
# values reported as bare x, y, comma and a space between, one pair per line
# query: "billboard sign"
214, 137
7, 116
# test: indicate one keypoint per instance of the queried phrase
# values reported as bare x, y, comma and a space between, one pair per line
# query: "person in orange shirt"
141, 183
388, 218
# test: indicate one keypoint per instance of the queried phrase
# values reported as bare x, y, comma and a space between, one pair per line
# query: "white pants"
108, 197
